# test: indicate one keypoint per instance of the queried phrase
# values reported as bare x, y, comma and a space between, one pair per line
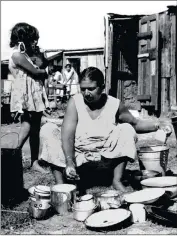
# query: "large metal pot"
154, 158
38, 209
108, 199
62, 197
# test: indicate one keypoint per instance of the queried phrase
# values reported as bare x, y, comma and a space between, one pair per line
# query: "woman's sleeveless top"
99, 128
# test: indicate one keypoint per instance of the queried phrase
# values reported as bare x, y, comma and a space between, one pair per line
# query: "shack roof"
80, 50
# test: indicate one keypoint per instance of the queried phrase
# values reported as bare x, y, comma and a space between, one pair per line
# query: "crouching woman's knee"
128, 130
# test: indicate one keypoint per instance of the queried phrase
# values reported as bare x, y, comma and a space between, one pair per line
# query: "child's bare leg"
24, 130
58, 174
34, 137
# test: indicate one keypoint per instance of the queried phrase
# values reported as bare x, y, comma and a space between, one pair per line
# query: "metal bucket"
81, 213
174, 123
154, 158
62, 197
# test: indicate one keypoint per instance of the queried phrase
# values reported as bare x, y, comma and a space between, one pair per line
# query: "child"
28, 93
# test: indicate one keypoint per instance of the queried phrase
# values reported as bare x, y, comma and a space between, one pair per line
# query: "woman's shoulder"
113, 102
113, 99
77, 97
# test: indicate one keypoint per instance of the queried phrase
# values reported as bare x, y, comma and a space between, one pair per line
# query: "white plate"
107, 218
165, 181
147, 195
31, 190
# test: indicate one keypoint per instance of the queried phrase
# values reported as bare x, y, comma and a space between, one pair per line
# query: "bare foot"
38, 168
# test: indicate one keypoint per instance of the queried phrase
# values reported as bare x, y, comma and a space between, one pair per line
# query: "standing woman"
71, 80
28, 96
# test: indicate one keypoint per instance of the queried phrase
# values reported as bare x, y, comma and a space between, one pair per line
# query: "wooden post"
55, 96
173, 81
109, 68
165, 64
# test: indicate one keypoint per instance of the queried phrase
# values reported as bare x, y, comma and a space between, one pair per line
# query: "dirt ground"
17, 220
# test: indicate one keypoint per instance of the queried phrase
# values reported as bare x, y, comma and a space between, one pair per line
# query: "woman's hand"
70, 172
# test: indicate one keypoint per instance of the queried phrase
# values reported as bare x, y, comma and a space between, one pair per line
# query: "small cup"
138, 213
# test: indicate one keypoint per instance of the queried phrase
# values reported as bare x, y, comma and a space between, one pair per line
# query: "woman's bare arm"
141, 126
68, 132
20, 60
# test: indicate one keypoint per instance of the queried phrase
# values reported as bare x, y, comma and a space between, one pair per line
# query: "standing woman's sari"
72, 81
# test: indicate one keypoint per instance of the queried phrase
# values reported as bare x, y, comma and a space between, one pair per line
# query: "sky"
68, 24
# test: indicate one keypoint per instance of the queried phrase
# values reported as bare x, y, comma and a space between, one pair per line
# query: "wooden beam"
120, 19
148, 18
144, 35
143, 55
144, 98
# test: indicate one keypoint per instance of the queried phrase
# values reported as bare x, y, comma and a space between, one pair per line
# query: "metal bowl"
145, 174
108, 199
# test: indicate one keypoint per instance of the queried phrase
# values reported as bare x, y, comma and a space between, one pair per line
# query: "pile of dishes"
111, 209
167, 183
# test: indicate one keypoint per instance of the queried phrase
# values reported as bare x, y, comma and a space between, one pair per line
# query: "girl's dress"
26, 94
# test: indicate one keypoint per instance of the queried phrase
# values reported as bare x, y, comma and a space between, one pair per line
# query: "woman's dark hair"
68, 65
23, 32
94, 74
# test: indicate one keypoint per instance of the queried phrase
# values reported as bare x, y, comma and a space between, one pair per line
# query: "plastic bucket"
154, 158
174, 123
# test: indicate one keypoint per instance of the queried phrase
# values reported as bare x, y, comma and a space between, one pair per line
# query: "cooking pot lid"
63, 188
86, 197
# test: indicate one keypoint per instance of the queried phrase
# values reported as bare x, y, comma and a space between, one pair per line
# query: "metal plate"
107, 218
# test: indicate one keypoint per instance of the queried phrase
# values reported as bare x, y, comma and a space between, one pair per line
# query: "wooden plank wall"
121, 67
95, 59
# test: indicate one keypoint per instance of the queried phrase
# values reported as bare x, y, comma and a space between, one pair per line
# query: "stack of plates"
168, 183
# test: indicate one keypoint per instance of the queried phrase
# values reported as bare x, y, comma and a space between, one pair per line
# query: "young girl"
28, 97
